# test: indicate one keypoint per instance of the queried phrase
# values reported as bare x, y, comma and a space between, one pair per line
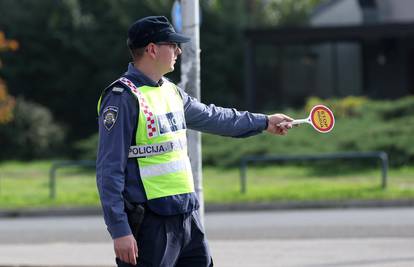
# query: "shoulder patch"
110, 114
117, 90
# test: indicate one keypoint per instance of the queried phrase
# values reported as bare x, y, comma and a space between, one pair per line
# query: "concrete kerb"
46, 212
291, 205
288, 205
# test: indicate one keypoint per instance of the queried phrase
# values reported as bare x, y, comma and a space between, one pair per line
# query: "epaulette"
117, 90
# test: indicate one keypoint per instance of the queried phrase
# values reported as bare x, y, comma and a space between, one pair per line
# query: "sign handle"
295, 122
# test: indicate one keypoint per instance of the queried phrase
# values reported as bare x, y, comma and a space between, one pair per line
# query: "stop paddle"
320, 117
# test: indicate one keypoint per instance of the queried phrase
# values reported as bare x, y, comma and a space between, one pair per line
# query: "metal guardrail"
62, 164
341, 155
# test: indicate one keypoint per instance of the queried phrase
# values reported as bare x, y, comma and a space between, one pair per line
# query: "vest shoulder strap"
149, 115
166, 80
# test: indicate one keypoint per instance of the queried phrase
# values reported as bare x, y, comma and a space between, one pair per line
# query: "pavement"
384, 252
366, 237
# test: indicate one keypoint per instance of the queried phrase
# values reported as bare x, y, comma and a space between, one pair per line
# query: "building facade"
350, 47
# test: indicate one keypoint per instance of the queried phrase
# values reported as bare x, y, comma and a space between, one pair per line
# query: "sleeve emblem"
110, 115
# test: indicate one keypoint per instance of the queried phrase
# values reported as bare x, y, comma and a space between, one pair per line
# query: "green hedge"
361, 125
33, 133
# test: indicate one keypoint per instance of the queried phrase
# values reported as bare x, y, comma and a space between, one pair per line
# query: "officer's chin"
170, 70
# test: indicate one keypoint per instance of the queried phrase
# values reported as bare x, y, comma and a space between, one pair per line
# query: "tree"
223, 40
81, 48
288, 12
7, 102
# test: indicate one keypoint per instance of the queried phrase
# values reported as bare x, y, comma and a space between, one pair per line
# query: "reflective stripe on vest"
165, 168
157, 149
161, 149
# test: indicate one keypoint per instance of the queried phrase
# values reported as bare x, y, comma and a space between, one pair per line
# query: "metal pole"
190, 82
52, 181
243, 176
384, 162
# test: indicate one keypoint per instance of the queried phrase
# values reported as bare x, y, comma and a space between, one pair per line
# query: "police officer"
143, 171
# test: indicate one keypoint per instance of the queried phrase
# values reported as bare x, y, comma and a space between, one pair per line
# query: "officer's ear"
151, 49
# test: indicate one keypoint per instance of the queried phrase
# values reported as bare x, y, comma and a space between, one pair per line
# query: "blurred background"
355, 56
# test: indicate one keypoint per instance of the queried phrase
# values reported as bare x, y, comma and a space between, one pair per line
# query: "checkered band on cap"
149, 115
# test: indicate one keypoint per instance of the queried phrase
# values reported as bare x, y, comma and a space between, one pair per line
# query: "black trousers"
171, 241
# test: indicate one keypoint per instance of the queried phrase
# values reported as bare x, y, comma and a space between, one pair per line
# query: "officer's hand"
279, 124
126, 249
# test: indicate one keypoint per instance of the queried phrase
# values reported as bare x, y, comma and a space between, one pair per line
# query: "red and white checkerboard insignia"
150, 118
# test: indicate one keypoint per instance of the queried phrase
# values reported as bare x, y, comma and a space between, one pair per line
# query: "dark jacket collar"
141, 77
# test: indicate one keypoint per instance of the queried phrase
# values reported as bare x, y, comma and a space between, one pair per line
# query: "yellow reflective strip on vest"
168, 185
165, 168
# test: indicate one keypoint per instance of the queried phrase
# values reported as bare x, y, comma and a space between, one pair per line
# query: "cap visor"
178, 38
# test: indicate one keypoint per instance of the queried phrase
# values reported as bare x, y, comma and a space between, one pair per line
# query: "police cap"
153, 29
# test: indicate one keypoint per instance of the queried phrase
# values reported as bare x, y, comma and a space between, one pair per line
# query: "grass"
26, 184
301, 183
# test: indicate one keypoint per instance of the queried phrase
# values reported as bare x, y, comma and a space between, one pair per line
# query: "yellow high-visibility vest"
161, 142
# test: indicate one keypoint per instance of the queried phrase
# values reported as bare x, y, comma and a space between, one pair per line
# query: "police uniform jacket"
118, 176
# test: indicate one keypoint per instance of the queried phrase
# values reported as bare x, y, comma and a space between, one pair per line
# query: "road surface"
382, 237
